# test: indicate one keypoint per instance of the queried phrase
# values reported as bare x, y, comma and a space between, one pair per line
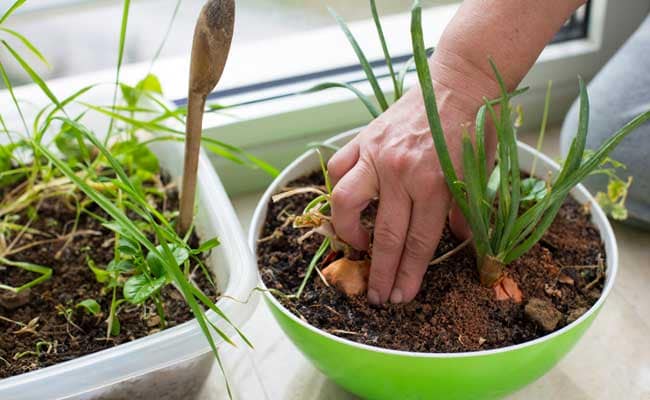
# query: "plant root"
350, 277
277, 233
288, 192
344, 332
450, 252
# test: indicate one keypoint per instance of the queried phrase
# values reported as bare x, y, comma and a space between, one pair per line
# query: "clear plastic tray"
174, 363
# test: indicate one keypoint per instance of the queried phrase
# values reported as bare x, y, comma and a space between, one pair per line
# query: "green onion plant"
505, 231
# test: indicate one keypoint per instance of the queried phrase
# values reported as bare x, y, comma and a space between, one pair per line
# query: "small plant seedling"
90, 306
42, 347
613, 199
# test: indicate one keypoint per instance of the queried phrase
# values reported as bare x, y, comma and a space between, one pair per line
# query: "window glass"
80, 36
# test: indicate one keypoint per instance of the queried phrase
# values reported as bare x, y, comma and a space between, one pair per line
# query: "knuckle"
434, 184
377, 132
378, 127
341, 195
397, 161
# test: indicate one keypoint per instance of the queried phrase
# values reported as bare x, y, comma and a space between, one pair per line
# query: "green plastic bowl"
378, 373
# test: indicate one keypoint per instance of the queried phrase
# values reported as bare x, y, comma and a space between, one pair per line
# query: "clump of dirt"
41, 326
562, 276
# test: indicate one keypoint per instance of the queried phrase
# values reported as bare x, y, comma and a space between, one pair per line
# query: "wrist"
468, 82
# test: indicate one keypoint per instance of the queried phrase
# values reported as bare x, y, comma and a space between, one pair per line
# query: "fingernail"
397, 296
373, 296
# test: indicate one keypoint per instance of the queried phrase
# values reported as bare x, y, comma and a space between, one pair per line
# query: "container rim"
240, 285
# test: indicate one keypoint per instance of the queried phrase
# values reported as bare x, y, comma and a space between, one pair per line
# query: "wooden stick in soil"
212, 38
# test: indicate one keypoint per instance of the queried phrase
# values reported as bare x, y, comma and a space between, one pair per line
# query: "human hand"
394, 158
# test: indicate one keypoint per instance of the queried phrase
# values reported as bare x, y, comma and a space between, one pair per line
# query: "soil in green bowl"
37, 315
561, 278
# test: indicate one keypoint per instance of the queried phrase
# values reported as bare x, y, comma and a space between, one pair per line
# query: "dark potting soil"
561, 278
34, 331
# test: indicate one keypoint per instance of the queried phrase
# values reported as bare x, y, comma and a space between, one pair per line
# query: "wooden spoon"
212, 38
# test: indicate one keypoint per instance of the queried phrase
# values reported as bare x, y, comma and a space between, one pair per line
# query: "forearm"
512, 32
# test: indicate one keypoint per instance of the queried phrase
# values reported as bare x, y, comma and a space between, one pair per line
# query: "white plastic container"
174, 363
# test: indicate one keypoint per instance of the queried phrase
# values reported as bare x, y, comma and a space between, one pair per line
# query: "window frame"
279, 128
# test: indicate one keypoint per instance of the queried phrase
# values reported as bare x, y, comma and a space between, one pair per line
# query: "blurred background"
78, 36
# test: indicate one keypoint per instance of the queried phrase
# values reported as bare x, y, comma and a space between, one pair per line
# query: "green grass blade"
480, 147
401, 78
119, 171
98, 198
176, 114
317, 200
364, 99
367, 68
574, 158
44, 272
40, 131
474, 198
32, 74
542, 129
17, 4
558, 193
508, 141
323, 168
10, 88
186, 289
312, 264
482, 167
237, 153
537, 234
136, 234
504, 188
384, 48
120, 51
424, 76
27, 44
595, 160
120, 58
230, 152
168, 30
208, 303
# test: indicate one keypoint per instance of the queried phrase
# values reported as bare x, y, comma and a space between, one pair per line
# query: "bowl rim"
606, 234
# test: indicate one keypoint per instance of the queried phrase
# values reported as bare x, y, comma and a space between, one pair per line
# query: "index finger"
350, 197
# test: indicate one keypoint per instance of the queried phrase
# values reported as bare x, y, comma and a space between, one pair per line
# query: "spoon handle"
210, 47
